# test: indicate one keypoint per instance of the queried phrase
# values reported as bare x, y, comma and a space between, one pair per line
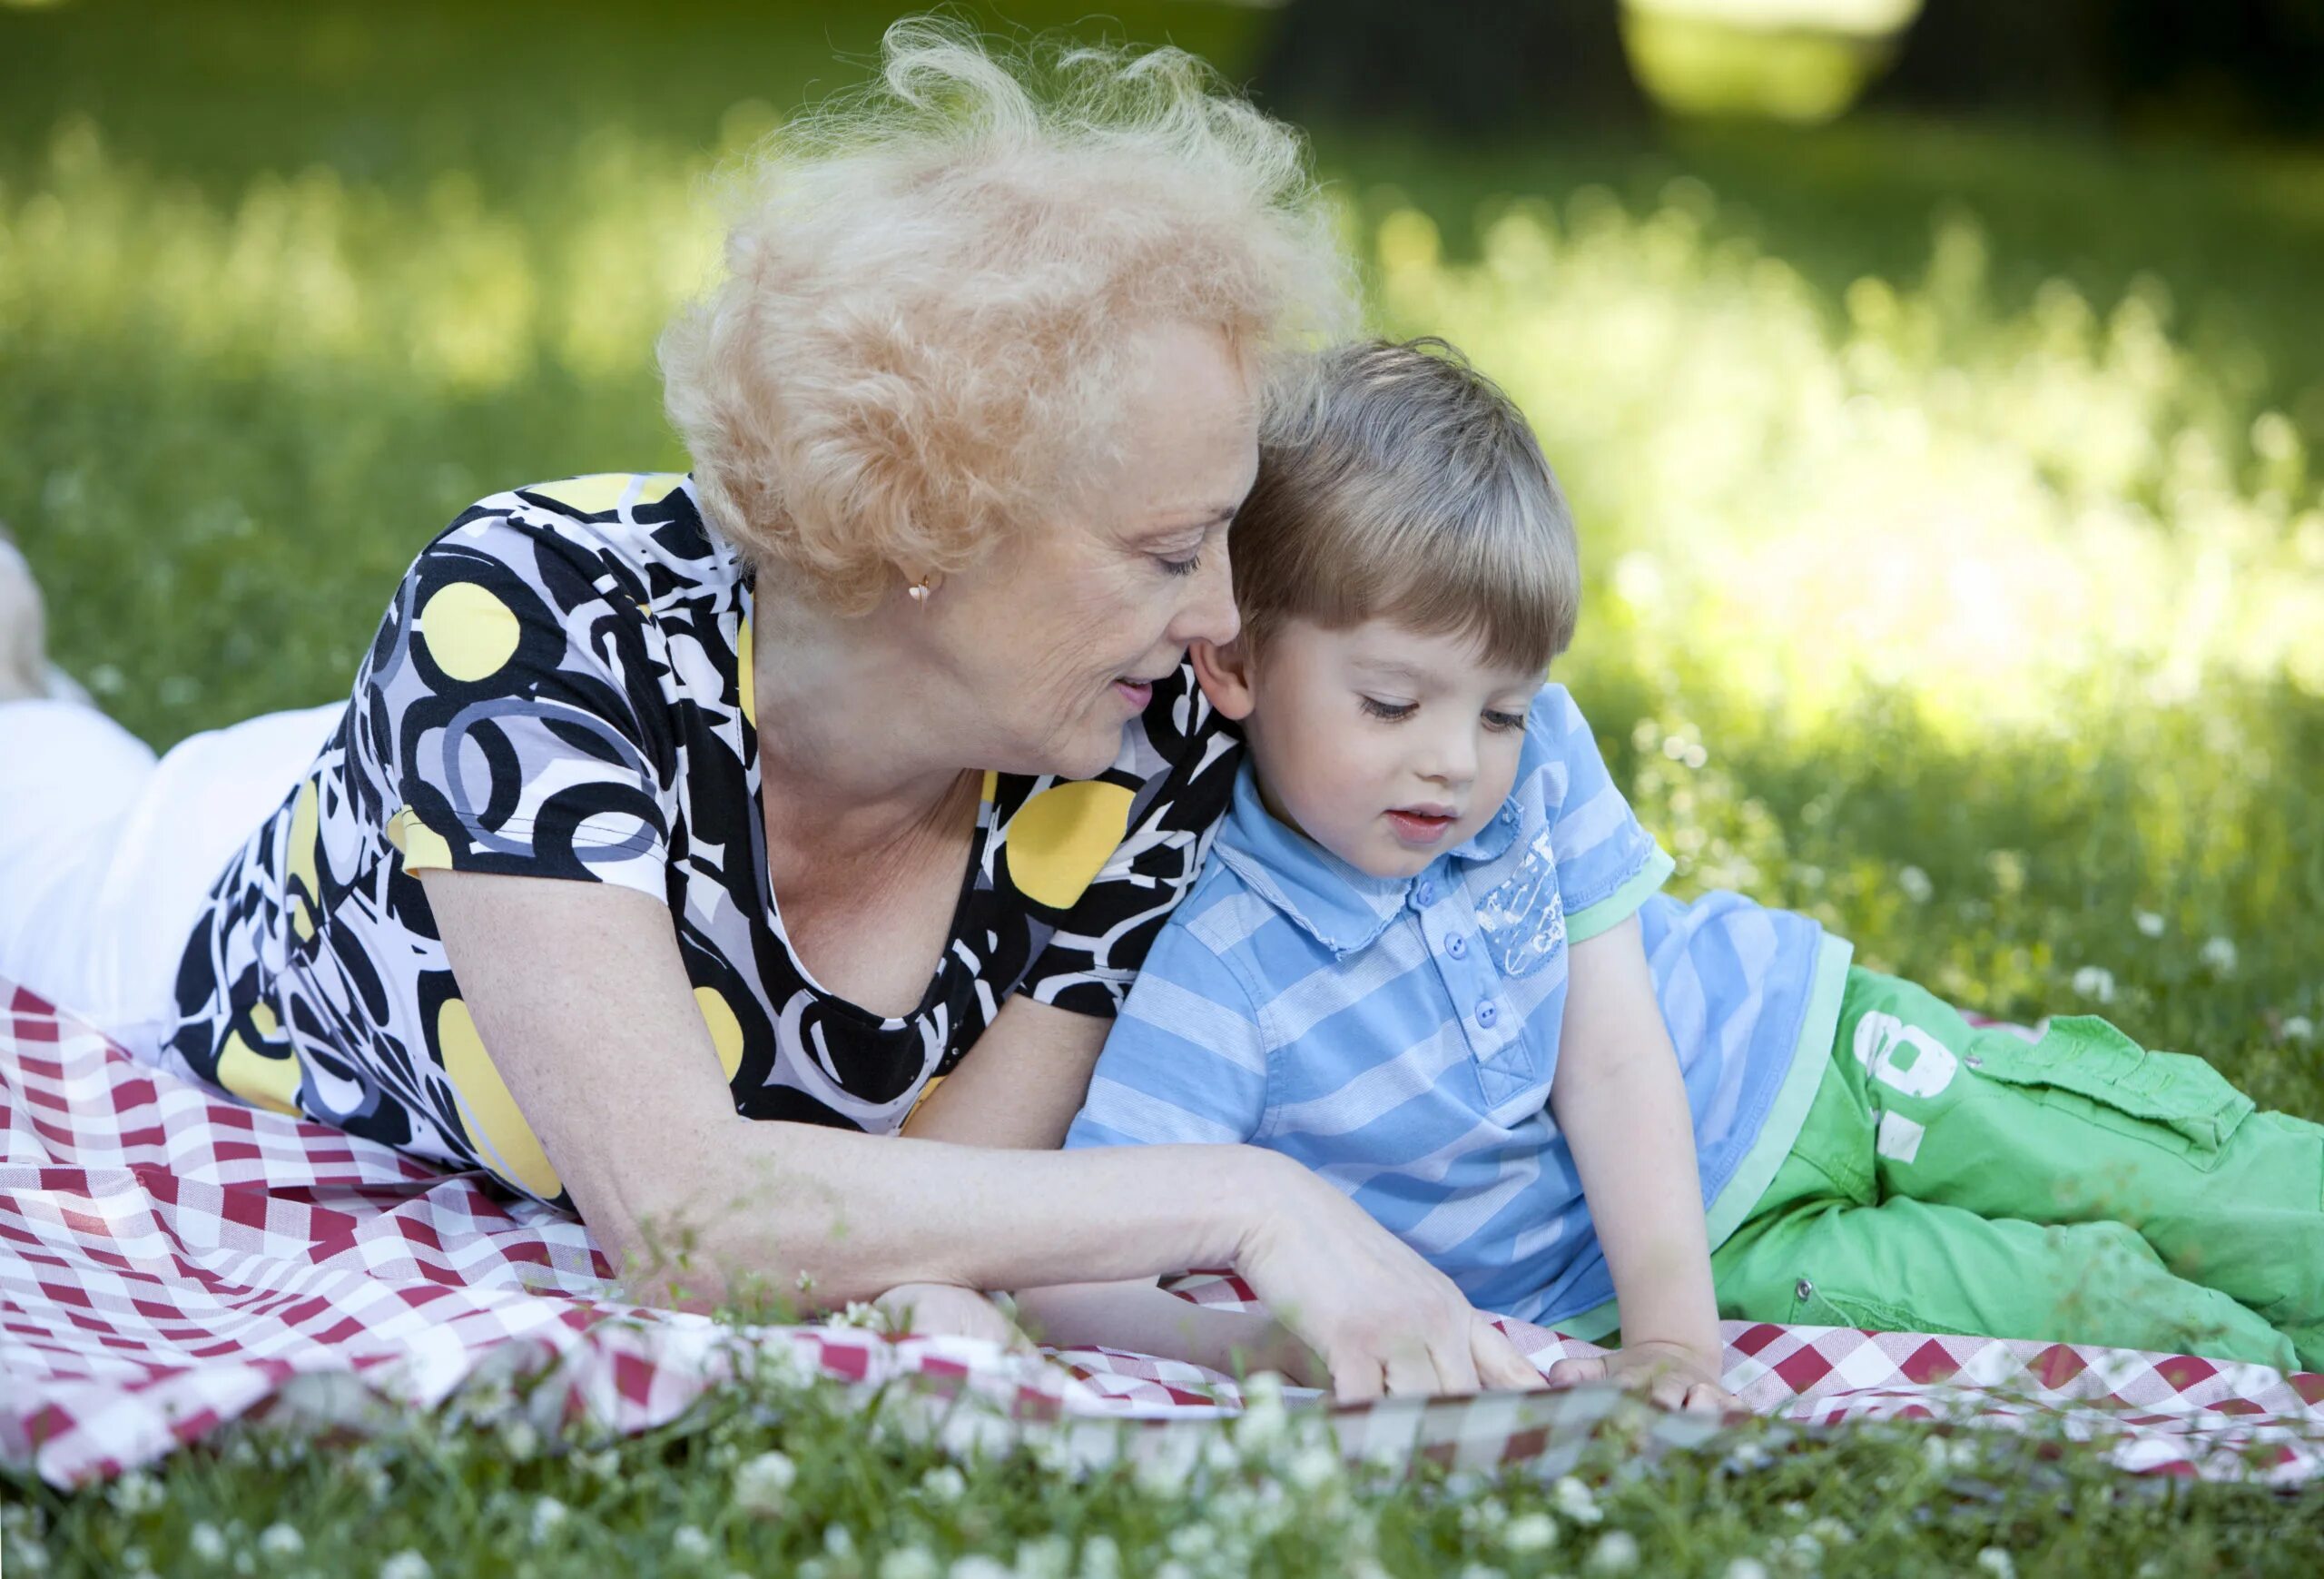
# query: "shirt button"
1457, 945
1425, 893
1509, 814
1487, 1012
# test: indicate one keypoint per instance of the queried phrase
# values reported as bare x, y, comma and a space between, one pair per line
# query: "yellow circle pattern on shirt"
489, 1112
1058, 841
469, 632
725, 1031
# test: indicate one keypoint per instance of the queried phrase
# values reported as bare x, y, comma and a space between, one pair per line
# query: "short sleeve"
1182, 760
512, 699
1187, 1059
1608, 865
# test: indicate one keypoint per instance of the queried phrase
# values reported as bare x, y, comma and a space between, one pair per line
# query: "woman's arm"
1021, 1084
1620, 1101
580, 995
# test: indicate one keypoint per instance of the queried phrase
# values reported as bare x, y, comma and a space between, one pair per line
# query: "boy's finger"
1566, 1373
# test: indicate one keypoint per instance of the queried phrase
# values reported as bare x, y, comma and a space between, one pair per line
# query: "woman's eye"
1500, 721
1391, 711
1186, 567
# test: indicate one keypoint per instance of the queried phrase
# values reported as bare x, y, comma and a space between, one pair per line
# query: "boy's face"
1383, 745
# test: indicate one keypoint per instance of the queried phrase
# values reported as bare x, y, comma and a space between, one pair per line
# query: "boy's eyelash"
1391, 711
1504, 721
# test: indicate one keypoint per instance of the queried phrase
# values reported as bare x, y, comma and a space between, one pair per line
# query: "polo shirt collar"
1342, 907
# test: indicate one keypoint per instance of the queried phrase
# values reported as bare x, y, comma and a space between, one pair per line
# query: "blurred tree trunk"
2224, 65
1464, 67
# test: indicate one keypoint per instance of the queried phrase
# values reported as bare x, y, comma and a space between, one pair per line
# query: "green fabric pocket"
2127, 1088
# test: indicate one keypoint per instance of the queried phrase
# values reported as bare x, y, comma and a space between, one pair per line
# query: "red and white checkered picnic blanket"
172, 1262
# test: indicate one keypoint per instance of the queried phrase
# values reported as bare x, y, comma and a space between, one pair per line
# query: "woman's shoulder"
637, 535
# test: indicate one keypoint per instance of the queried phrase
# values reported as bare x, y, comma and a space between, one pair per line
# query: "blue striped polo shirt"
1399, 1035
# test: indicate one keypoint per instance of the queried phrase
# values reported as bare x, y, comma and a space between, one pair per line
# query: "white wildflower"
1615, 1552
2149, 923
31, 1556
521, 1440
136, 1492
761, 1483
2299, 1028
943, 1483
602, 1465
1482, 1571
2220, 955
2095, 982
980, 1568
1101, 1558
689, 1543
838, 1541
1044, 1557
404, 1566
1747, 1568
1747, 1455
1916, 885
1575, 1501
547, 1513
1534, 1531
281, 1543
1831, 1532
1995, 1560
1485, 1514
207, 1542
1311, 1466
911, 1563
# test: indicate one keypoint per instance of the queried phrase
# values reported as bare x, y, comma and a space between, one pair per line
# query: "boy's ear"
1224, 671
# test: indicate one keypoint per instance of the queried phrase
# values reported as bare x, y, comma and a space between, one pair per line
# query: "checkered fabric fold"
172, 1262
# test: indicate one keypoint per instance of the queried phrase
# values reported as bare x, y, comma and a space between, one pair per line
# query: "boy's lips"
1420, 825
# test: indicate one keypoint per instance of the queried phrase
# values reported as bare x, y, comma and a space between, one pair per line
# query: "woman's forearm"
785, 1207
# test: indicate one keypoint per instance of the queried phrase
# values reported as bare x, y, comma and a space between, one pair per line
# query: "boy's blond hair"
1400, 483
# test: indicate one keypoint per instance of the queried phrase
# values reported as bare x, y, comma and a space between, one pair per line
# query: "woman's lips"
1137, 692
1420, 827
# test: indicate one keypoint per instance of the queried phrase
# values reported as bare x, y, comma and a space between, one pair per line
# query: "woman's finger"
1411, 1372
1355, 1378
1456, 1366
1499, 1362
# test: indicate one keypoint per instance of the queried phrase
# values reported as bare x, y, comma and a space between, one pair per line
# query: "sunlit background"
1939, 388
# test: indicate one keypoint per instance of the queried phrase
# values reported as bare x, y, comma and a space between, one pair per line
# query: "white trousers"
107, 852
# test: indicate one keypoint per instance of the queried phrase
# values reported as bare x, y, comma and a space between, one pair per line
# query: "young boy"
1429, 957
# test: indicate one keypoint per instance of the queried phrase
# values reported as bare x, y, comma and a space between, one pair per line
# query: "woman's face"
1058, 639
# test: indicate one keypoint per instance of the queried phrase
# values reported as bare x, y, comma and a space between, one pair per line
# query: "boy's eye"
1391, 711
1498, 722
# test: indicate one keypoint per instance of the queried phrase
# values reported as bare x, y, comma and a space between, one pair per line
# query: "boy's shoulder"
1219, 914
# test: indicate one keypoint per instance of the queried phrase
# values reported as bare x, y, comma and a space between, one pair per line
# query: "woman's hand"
1383, 1318
1672, 1375
949, 1310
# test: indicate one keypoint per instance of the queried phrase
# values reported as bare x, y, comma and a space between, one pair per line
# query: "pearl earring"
919, 590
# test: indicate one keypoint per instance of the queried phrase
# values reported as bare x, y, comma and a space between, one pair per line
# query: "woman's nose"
1209, 612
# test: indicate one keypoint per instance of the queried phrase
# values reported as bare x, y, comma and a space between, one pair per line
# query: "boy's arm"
1620, 1101
1185, 1062
1145, 1318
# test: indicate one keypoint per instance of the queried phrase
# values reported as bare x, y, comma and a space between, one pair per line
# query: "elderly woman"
682, 834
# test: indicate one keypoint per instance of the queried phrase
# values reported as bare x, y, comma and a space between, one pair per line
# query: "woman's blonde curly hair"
934, 286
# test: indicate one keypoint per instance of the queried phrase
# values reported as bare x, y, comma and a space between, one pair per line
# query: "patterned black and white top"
562, 690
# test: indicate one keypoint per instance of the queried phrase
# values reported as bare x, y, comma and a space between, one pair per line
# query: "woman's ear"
1224, 671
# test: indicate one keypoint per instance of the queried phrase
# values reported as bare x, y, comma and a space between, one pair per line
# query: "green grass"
1956, 574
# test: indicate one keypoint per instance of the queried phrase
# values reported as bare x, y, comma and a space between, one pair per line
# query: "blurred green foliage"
1949, 496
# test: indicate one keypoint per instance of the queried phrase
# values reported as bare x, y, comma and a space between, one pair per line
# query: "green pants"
1958, 1180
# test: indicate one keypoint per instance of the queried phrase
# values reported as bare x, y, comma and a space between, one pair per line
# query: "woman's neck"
849, 743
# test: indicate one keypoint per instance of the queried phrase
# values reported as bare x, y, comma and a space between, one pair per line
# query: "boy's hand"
932, 1309
1672, 1375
